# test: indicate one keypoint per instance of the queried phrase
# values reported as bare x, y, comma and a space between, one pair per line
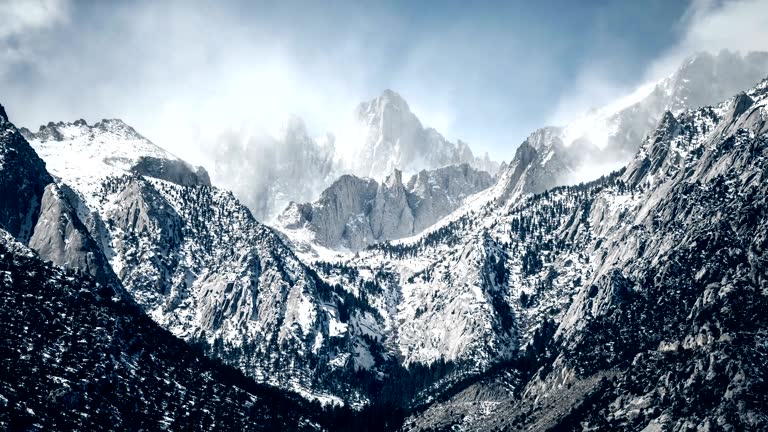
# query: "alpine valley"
612, 276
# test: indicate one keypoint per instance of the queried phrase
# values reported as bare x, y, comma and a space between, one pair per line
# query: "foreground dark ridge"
76, 356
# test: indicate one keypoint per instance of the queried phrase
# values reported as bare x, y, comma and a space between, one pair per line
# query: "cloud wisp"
706, 26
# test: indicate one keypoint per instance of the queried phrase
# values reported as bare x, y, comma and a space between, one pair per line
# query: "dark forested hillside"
76, 356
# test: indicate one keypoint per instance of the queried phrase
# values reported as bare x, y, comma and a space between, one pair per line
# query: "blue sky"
487, 72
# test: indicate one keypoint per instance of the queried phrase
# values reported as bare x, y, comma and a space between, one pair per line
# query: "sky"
489, 73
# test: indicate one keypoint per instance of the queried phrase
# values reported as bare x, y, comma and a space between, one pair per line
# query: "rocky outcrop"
62, 238
434, 194
50, 218
23, 178
174, 171
355, 212
396, 139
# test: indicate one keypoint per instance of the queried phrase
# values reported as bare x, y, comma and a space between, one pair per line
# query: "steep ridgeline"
194, 259
77, 357
394, 138
268, 172
22, 182
85, 154
43, 215
355, 212
609, 137
662, 270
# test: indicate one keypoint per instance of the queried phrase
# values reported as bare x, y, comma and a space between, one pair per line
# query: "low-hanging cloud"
184, 72
707, 25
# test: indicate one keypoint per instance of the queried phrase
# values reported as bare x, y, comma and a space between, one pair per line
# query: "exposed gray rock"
435, 193
62, 238
175, 171
23, 179
396, 139
267, 173
44, 215
355, 212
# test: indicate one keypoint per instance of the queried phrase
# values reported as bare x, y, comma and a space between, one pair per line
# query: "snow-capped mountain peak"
607, 138
268, 172
83, 155
394, 138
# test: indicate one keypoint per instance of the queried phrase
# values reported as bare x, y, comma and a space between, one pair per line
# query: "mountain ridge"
268, 172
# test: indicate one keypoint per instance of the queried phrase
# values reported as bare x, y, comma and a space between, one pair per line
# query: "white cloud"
708, 25
19, 16
21, 21
737, 25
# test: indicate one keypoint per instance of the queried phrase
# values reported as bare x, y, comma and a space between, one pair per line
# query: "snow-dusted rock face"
22, 182
607, 138
396, 139
436, 193
41, 214
191, 256
85, 155
267, 173
199, 264
61, 236
172, 170
356, 212
661, 320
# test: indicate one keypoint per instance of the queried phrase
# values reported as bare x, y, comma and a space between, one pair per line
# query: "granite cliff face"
356, 212
23, 181
43, 215
268, 172
394, 138
61, 236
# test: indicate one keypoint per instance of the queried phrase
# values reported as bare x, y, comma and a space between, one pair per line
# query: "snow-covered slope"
659, 325
83, 155
607, 138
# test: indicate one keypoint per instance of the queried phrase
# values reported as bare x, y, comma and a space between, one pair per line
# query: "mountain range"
268, 172
457, 299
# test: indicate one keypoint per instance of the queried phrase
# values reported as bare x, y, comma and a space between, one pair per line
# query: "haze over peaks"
268, 171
